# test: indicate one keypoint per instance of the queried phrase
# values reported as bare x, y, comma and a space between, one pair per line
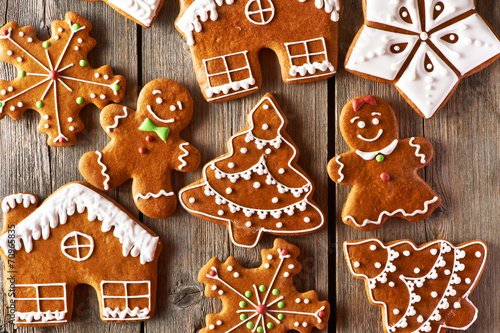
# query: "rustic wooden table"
464, 171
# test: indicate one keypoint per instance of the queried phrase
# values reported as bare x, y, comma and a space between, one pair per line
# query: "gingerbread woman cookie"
145, 146
421, 289
381, 168
55, 78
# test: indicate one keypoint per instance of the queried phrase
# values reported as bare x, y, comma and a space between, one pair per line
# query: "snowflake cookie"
257, 187
142, 12
422, 289
54, 77
145, 146
262, 299
423, 47
381, 168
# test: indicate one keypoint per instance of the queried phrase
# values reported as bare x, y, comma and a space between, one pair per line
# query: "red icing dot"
142, 150
62, 140
5, 32
284, 252
149, 138
261, 309
212, 273
53, 75
385, 176
321, 314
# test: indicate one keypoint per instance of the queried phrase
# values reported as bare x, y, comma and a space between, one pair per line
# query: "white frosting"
341, 175
367, 156
41, 317
417, 149
103, 171
153, 195
75, 199
307, 67
451, 9
330, 6
117, 120
234, 85
181, 157
12, 200
110, 314
387, 12
257, 16
144, 11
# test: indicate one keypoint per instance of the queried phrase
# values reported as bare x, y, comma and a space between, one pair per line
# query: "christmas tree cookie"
54, 77
381, 168
262, 299
421, 289
257, 187
145, 146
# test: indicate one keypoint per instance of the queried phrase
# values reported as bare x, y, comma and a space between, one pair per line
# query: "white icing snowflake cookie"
423, 47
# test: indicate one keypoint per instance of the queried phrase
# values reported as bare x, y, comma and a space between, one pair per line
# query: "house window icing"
77, 246
260, 12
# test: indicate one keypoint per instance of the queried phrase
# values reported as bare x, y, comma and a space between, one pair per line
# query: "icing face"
371, 127
172, 108
366, 258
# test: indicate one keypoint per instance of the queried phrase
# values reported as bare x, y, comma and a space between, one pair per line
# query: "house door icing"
260, 12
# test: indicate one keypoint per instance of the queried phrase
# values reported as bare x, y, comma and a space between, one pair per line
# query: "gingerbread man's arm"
113, 116
341, 170
186, 158
418, 151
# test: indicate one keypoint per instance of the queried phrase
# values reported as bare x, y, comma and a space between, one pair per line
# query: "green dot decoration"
270, 325
379, 158
281, 316
79, 100
262, 288
243, 316
243, 304
250, 324
75, 27
248, 293
39, 104
83, 63
275, 292
22, 73
115, 87
281, 305
260, 329
1, 104
46, 44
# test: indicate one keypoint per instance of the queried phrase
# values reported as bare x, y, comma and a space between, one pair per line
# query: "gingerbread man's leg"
103, 170
362, 210
153, 195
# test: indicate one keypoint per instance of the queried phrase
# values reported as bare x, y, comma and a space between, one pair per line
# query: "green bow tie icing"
148, 126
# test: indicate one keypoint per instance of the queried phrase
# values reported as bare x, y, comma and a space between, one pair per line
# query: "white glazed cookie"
142, 12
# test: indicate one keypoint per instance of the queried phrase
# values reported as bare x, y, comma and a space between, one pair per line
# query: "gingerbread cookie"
262, 299
257, 187
419, 289
145, 146
424, 48
142, 12
76, 236
381, 168
226, 36
55, 78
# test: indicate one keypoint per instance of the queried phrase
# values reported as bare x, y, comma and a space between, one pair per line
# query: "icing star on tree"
54, 77
262, 299
421, 289
422, 47
257, 187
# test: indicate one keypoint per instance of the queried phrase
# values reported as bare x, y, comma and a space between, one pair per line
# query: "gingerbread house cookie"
76, 236
380, 167
423, 47
142, 12
225, 37
421, 289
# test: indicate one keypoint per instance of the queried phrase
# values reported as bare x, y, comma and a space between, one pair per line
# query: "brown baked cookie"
145, 146
262, 299
381, 168
419, 289
422, 47
258, 186
142, 12
226, 36
76, 236
55, 78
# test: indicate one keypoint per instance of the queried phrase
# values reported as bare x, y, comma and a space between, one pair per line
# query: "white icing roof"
75, 198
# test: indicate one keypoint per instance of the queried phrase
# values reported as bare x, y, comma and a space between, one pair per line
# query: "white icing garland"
143, 11
117, 120
367, 156
154, 195
186, 153
136, 313
341, 175
75, 199
103, 171
43, 317
417, 146
12, 200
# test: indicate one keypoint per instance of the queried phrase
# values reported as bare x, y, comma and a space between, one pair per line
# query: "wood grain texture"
464, 172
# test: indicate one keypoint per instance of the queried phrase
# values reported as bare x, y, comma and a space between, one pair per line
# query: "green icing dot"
250, 324
22, 73
379, 158
39, 104
115, 87
281, 305
275, 292
260, 329
243, 304
79, 100
270, 325
46, 44
262, 288
83, 63
248, 293
1, 104
75, 27
281, 316
243, 316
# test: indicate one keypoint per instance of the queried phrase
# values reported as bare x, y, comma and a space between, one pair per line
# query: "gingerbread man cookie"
421, 289
55, 78
145, 146
381, 168
262, 299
